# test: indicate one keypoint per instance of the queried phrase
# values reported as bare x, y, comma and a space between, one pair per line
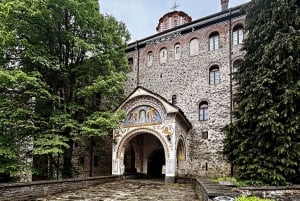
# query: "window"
130, 63
203, 111
214, 75
149, 58
235, 69
174, 100
214, 41
177, 51
194, 47
238, 34
163, 55
205, 134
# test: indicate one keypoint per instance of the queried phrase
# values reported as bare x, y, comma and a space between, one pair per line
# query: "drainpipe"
138, 64
230, 77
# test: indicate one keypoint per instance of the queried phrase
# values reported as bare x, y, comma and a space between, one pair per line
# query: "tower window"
205, 134
174, 100
203, 111
214, 75
238, 35
214, 41
177, 51
149, 58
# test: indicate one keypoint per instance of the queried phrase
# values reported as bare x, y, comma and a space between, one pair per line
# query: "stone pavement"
133, 190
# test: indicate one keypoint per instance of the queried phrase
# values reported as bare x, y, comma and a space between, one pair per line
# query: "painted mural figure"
133, 117
151, 114
142, 116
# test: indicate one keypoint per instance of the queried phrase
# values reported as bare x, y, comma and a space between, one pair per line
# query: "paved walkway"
133, 190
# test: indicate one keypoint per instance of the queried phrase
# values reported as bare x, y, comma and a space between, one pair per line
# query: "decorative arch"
177, 51
181, 150
139, 131
146, 102
194, 46
163, 55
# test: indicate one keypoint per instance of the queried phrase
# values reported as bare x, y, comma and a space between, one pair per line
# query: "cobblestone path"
133, 190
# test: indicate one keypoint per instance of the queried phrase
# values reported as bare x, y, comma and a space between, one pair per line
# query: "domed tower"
173, 19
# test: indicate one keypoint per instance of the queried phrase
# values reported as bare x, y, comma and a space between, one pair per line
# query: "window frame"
214, 41
203, 111
214, 75
238, 34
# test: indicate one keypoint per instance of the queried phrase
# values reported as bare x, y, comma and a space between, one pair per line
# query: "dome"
172, 19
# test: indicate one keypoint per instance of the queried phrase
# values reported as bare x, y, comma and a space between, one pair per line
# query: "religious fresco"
142, 115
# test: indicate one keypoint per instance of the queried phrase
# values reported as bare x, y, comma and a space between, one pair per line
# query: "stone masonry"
187, 77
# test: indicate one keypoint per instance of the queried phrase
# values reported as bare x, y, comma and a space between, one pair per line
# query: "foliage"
79, 57
252, 198
18, 121
230, 179
264, 140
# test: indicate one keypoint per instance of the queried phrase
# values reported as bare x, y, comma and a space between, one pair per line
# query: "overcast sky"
141, 16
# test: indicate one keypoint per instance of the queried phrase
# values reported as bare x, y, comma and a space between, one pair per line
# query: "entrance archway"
156, 161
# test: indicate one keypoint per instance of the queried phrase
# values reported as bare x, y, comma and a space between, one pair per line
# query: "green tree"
264, 140
80, 57
18, 121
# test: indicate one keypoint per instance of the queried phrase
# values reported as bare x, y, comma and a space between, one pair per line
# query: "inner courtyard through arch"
144, 155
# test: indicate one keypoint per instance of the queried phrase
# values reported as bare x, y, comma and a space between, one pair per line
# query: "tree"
18, 119
264, 140
79, 56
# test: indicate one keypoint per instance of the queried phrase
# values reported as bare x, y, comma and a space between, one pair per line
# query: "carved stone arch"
126, 139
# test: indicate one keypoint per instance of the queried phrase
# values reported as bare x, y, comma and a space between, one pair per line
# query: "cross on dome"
174, 8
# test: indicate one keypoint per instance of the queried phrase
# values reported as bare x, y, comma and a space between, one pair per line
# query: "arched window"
194, 47
177, 51
130, 63
235, 68
203, 111
238, 34
214, 75
149, 58
163, 55
214, 41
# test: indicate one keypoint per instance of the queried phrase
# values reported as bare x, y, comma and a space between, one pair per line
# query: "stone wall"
188, 79
280, 193
31, 190
97, 164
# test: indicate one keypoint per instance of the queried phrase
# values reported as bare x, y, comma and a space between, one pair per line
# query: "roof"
230, 13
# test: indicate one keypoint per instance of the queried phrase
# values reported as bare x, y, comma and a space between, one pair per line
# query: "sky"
141, 16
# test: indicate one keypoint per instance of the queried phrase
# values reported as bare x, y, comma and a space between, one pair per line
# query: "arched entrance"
156, 161
142, 153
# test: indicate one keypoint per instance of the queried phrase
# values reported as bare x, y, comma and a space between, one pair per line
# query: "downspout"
230, 75
138, 64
